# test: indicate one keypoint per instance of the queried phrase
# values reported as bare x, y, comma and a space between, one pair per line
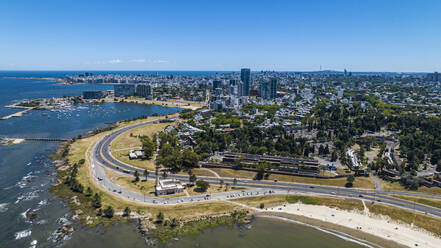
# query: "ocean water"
26, 174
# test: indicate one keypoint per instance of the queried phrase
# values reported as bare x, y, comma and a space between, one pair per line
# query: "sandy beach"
380, 226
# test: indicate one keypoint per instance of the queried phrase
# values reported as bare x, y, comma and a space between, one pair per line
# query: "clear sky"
360, 35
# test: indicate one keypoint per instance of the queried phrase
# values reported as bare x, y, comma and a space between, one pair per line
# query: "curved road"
101, 157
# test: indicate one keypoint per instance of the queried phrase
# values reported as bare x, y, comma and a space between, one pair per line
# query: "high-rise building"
264, 90
245, 77
122, 90
273, 88
143, 90
216, 84
240, 89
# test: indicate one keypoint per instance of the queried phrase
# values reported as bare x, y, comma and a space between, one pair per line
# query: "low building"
289, 164
168, 186
135, 154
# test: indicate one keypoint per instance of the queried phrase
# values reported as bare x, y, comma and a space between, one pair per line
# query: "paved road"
101, 158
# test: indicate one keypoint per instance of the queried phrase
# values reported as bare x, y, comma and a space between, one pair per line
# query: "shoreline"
375, 229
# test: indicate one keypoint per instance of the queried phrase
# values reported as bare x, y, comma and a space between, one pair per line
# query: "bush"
127, 211
96, 201
109, 212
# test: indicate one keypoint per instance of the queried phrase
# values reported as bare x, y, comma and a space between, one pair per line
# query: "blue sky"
368, 35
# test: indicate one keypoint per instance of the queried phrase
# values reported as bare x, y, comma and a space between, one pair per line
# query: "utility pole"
157, 168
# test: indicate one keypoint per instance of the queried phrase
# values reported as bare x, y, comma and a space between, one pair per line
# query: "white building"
135, 154
168, 186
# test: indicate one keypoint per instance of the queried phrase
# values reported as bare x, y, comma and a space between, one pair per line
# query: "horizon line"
305, 71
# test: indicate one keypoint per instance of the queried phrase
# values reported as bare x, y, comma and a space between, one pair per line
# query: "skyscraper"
216, 84
240, 89
245, 77
273, 88
264, 90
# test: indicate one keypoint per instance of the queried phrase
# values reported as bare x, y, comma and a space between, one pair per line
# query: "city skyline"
392, 36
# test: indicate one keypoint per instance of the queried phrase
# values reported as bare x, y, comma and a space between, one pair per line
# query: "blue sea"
26, 173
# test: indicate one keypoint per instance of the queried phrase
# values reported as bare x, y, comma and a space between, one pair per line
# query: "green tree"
192, 178
127, 211
202, 185
160, 217
227, 186
334, 156
147, 146
146, 174
189, 158
136, 174
108, 212
350, 180
89, 191
234, 181
97, 200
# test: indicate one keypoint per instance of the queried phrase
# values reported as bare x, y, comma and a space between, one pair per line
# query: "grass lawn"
123, 156
396, 186
125, 140
199, 172
360, 182
423, 200
427, 222
274, 200
233, 173
212, 189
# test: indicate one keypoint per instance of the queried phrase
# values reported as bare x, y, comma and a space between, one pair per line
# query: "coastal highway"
101, 158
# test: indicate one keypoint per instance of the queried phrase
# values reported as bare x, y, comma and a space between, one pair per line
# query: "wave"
23, 234
3, 207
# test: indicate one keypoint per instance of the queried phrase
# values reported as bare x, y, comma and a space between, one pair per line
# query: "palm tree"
146, 174
136, 174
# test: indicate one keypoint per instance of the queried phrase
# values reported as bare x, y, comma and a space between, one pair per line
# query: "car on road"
360, 195
275, 180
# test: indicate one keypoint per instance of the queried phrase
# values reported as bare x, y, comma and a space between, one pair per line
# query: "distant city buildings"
434, 77
124, 90
94, 94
